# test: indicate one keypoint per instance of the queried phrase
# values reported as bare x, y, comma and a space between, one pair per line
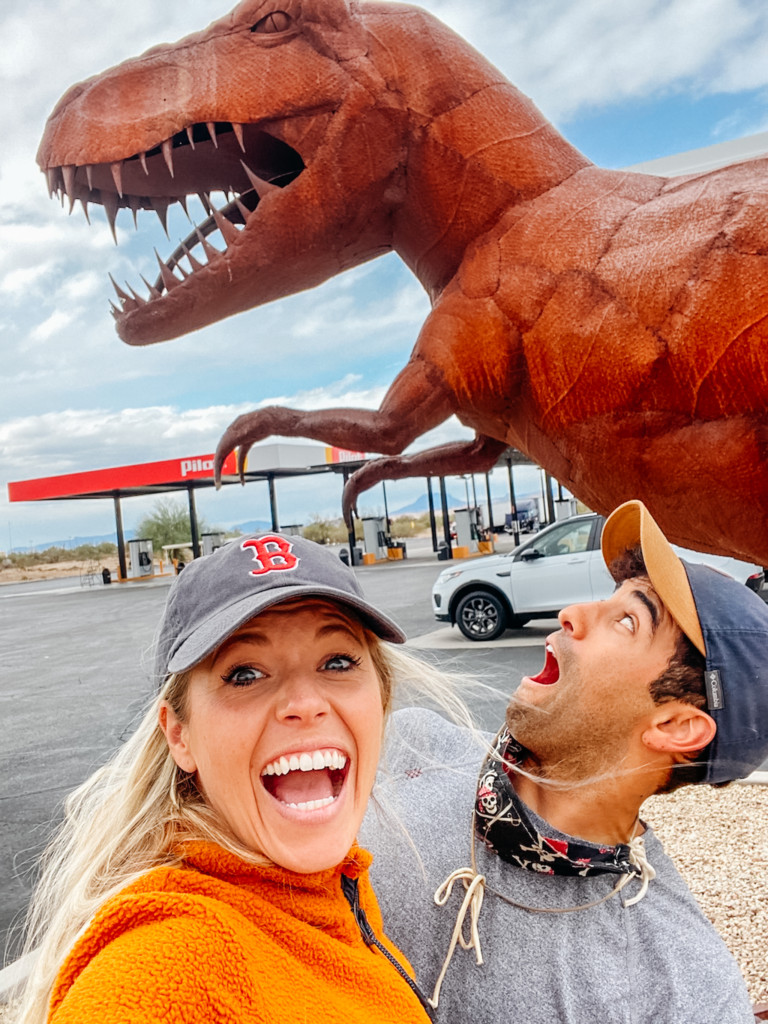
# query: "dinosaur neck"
477, 147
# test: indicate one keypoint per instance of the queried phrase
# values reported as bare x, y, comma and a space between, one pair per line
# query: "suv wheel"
481, 616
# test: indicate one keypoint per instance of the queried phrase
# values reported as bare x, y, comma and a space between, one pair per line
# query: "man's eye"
243, 675
629, 622
341, 663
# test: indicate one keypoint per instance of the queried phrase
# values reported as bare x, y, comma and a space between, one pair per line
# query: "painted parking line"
450, 639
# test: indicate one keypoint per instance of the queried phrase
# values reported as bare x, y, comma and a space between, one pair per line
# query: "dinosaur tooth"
183, 205
154, 293
191, 136
210, 250
89, 175
260, 186
167, 148
143, 159
110, 202
238, 130
114, 310
205, 200
68, 173
120, 293
84, 204
137, 298
133, 202
117, 176
211, 126
160, 206
50, 179
245, 212
166, 273
226, 227
194, 264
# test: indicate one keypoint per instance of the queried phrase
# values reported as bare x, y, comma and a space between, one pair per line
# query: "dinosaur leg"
417, 401
477, 456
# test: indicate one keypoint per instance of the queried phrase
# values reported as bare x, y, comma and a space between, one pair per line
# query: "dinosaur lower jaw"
242, 162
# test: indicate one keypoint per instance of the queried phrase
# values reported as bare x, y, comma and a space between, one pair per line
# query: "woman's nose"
301, 700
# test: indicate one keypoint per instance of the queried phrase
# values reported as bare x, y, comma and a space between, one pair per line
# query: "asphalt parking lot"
75, 674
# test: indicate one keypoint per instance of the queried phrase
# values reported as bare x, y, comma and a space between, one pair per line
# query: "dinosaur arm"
476, 456
417, 401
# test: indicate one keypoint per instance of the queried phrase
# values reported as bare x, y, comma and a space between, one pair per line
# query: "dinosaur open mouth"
241, 161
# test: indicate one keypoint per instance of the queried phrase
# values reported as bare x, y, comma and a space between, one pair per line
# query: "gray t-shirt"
657, 962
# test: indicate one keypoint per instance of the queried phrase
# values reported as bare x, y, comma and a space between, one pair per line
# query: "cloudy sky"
624, 80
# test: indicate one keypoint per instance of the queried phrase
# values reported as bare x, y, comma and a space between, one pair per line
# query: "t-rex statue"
611, 325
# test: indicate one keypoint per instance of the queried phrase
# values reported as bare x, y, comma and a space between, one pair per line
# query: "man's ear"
679, 728
177, 738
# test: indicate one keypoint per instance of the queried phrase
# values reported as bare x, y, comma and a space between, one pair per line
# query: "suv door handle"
504, 572
575, 561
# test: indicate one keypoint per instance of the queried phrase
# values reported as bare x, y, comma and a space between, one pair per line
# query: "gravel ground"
719, 841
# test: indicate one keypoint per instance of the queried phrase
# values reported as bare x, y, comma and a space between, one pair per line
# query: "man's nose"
301, 700
577, 618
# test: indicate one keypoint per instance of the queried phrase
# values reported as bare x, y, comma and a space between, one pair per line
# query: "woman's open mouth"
551, 671
306, 781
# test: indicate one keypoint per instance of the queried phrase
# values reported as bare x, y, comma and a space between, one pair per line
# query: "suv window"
568, 539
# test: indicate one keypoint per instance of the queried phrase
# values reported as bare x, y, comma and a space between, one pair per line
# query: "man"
584, 919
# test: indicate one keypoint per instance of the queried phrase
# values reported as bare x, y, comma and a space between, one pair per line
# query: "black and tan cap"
726, 621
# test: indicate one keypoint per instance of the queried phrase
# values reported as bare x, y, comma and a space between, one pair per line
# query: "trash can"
443, 551
106, 575
344, 556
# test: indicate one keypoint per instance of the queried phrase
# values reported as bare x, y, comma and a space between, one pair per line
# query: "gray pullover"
657, 962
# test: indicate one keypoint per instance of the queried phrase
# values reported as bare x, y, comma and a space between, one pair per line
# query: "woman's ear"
680, 728
177, 737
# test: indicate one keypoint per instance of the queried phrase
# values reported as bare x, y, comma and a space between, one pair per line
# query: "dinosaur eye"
277, 21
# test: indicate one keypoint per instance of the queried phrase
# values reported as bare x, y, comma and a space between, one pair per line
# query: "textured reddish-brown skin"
611, 325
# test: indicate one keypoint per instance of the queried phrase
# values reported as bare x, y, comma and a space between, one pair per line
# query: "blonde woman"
209, 872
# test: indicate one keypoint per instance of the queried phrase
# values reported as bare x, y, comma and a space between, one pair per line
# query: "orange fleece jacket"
219, 940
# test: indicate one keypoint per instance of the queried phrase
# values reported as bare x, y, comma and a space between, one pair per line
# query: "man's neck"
603, 813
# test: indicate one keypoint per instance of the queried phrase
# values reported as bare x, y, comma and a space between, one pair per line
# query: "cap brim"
212, 633
631, 525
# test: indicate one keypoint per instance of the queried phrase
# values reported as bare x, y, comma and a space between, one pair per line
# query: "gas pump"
211, 542
376, 536
140, 554
469, 525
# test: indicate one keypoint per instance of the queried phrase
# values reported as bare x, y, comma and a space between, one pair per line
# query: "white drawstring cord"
472, 902
638, 858
475, 885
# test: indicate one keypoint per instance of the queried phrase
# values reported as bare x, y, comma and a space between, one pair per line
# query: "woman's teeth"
306, 762
312, 805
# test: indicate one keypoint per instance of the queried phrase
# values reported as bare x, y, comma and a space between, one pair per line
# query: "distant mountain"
422, 504
74, 542
252, 526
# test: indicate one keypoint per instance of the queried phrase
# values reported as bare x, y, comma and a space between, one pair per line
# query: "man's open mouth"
306, 781
551, 671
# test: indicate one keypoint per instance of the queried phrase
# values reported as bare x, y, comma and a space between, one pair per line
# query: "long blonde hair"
131, 814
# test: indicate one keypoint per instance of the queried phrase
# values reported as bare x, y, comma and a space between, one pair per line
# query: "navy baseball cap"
726, 621
218, 593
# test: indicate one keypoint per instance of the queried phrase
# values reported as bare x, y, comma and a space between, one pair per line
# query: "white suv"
562, 565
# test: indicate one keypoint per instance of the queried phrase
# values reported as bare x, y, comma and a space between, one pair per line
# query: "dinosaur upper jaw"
242, 164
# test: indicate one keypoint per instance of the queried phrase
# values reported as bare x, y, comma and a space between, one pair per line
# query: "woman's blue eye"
341, 663
243, 675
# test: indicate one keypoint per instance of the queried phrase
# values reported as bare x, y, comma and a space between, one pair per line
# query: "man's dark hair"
682, 679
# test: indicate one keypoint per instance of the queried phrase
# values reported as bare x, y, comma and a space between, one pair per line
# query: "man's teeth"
307, 762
